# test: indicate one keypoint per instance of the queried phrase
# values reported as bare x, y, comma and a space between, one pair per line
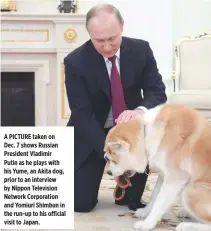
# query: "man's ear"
119, 146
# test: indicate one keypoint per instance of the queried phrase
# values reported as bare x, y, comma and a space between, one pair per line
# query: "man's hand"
127, 115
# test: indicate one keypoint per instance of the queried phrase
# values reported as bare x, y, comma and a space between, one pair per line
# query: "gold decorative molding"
70, 35
8, 5
63, 94
26, 30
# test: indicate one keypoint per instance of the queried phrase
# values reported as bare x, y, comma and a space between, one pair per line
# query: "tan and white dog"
175, 141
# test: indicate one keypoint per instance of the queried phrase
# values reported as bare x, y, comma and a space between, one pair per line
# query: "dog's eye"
106, 157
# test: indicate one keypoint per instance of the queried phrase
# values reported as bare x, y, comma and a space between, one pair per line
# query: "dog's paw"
143, 226
183, 227
141, 213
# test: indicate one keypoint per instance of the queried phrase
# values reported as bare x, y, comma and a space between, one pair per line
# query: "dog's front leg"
144, 212
168, 192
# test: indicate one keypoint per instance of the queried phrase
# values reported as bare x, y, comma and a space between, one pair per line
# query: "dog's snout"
109, 173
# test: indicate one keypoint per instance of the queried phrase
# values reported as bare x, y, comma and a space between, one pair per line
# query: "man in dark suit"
90, 72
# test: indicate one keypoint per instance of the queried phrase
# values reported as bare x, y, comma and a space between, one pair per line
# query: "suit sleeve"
84, 120
153, 86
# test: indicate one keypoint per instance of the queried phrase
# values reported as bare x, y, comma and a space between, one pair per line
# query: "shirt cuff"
142, 108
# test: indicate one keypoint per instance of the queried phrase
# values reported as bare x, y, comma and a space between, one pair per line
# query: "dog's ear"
119, 146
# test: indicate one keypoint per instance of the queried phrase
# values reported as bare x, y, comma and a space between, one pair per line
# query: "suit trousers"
87, 181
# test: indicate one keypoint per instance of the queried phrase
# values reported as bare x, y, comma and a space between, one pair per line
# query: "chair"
192, 75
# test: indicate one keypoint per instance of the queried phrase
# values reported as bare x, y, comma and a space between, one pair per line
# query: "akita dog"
175, 141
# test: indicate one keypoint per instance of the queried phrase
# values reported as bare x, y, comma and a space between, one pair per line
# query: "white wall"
150, 20
191, 17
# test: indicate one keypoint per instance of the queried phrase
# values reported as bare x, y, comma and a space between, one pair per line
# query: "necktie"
118, 102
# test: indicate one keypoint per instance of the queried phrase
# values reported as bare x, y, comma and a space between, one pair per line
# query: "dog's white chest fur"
153, 137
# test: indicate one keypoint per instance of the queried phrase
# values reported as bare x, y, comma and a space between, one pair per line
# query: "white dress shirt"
109, 121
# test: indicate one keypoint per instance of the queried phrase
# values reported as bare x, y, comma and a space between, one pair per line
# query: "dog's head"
125, 150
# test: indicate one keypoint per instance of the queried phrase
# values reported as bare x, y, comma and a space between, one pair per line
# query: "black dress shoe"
134, 205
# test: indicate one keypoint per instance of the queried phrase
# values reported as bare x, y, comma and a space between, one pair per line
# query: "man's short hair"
108, 8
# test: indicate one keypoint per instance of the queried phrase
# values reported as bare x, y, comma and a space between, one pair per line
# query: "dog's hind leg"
197, 200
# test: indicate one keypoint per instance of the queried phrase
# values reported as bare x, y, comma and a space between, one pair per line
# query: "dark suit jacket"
89, 95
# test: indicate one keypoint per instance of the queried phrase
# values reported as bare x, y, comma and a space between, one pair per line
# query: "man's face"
106, 34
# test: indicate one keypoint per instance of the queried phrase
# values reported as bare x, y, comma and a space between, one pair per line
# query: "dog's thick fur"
175, 141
